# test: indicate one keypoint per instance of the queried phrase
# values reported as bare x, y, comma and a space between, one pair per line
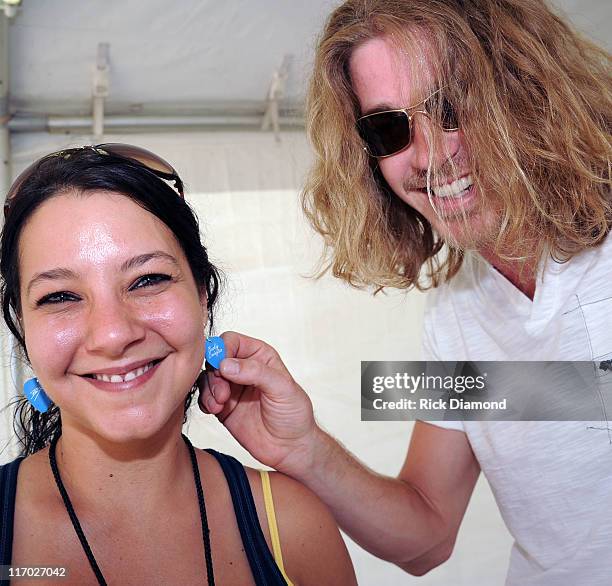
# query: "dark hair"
85, 170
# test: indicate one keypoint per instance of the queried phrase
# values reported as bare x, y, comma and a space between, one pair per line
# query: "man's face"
384, 79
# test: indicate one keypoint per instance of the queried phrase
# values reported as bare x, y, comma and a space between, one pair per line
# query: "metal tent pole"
10, 368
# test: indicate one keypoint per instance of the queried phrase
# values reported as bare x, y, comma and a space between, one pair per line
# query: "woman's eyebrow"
67, 274
141, 259
51, 275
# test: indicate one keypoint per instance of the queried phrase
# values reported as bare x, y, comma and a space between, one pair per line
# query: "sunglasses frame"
162, 169
406, 111
144, 157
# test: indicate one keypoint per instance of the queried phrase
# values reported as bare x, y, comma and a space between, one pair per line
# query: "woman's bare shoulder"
34, 474
313, 549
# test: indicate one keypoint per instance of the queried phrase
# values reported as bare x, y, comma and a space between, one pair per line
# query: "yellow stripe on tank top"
269, 504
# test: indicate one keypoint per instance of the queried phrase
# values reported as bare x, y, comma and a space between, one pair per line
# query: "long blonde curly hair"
533, 99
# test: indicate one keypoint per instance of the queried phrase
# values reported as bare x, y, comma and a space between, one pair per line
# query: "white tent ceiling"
168, 56
179, 56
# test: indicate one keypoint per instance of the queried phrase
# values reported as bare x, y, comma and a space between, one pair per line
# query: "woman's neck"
126, 477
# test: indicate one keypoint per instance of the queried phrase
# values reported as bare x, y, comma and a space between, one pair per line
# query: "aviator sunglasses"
389, 132
150, 161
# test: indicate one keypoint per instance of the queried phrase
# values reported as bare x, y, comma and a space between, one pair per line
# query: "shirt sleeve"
430, 352
429, 346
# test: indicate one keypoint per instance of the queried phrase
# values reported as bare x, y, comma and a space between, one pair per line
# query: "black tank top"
263, 566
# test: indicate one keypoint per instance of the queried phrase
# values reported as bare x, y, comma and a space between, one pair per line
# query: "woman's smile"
119, 379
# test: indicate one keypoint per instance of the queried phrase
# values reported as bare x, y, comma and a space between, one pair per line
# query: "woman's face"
112, 316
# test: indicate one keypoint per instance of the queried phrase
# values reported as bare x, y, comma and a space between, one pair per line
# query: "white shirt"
552, 480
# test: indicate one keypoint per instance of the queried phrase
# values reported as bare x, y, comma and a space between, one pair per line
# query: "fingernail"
230, 366
211, 388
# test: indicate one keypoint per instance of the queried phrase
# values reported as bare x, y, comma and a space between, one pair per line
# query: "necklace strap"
71, 513
81, 535
203, 516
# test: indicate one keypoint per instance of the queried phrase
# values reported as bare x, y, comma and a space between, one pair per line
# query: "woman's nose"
112, 326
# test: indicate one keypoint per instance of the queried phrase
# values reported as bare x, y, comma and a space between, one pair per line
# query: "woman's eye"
56, 298
150, 280
64, 297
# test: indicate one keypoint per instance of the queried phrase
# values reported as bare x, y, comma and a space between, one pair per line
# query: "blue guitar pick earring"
215, 351
35, 394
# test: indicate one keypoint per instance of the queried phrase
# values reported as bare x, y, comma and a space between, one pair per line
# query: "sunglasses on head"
150, 161
389, 132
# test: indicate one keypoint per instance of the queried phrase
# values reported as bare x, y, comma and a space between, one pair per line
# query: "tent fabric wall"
245, 189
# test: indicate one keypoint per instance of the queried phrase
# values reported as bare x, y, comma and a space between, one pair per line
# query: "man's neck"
522, 275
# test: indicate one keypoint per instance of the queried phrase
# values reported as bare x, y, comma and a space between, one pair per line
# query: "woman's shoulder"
13, 476
312, 547
34, 480
289, 496
12, 465
31, 465
8, 480
8, 495
10, 472
306, 529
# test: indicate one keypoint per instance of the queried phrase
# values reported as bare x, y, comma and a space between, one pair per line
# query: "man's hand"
255, 397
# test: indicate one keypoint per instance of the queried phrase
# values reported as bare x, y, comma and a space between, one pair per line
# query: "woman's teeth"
120, 378
454, 189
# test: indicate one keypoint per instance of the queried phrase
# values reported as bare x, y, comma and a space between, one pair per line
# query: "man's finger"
271, 382
207, 400
219, 387
241, 346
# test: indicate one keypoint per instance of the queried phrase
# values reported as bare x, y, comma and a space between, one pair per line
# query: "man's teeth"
120, 378
454, 189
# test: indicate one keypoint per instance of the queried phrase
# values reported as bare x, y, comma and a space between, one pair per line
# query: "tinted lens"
385, 133
147, 158
150, 160
439, 108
